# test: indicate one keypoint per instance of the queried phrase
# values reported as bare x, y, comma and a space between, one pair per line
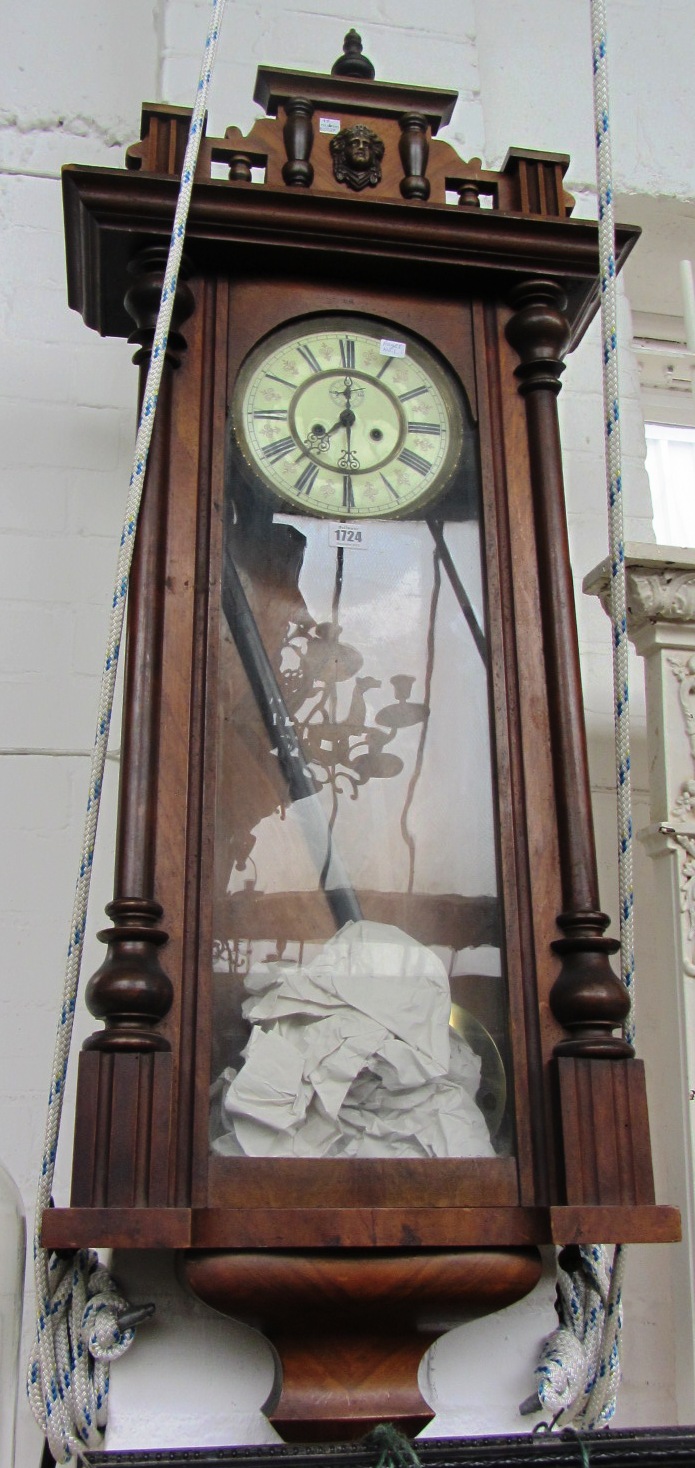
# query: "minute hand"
348, 460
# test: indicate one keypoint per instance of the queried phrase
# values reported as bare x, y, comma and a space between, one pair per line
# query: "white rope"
69, 1404
614, 487
578, 1374
578, 1371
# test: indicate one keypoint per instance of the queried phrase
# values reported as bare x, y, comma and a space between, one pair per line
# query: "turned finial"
352, 62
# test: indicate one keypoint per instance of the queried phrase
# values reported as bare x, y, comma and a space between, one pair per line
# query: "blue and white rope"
578, 1370
578, 1374
614, 487
54, 1377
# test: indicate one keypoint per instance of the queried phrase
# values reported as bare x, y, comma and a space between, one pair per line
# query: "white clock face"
348, 417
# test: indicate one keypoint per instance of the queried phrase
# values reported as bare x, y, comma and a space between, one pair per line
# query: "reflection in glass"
359, 1005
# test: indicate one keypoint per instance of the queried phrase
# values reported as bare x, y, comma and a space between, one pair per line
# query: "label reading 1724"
341, 536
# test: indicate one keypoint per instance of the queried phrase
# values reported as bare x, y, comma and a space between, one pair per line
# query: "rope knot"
100, 1330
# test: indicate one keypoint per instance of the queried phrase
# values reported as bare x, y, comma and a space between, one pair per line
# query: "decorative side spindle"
298, 136
587, 997
130, 991
122, 1159
239, 168
414, 149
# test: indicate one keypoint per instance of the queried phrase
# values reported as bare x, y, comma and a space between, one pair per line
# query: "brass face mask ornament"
357, 153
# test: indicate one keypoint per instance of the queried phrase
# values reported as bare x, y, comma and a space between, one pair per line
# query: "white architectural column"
661, 624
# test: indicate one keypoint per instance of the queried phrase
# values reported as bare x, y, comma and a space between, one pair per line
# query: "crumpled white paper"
352, 1056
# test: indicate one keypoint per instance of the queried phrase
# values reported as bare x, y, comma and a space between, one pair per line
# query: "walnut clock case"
361, 1050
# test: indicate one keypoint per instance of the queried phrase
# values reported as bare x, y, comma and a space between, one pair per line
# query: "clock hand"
348, 460
342, 898
319, 441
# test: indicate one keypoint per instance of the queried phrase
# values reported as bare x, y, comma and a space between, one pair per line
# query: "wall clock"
361, 1047
339, 417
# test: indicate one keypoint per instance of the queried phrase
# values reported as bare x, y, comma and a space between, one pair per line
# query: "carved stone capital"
660, 586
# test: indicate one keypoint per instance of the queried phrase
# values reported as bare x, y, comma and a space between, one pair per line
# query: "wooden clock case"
370, 1254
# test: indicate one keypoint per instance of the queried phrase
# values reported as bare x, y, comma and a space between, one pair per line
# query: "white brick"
36, 371
96, 67
83, 437
581, 421
96, 504
34, 638
34, 251
100, 373
33, 501
60, 569
53, 713
41, 313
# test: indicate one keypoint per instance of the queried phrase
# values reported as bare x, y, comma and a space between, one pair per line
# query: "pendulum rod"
341, 898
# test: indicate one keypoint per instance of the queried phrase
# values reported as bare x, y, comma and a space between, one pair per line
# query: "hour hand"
319, 438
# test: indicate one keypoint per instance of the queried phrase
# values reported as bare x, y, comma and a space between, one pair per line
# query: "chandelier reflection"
344, 753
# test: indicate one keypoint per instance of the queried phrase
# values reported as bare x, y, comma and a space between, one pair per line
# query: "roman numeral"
278, 449
277, 415
389, 487
415, 392
307, 479
348, 501
424, 428
414, 461
309, 358
347, 352
283, 380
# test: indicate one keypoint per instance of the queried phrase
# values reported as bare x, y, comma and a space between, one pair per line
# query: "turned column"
587, 998
414, 149
124, 1084
298, 136
131, 991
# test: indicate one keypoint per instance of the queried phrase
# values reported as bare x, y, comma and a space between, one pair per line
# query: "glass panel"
359, 1000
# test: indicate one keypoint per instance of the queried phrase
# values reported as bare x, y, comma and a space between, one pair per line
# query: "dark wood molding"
353, 1228
109, 212
352, 94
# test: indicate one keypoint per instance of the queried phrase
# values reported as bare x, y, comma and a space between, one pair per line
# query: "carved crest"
357, 153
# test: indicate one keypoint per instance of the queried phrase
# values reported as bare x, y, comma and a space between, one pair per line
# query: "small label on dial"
391, 349
340, 537
329, 125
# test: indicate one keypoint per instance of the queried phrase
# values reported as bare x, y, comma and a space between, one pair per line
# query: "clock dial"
346, 419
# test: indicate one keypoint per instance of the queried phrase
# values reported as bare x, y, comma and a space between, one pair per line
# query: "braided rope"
578, 1373
70, 1403
603, 1396
614, 487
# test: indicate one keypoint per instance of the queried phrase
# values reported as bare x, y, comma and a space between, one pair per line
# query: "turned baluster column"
131, 991
298, 136
414, 149
587, 997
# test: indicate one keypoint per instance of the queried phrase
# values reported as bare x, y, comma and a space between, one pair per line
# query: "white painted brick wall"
74, 79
